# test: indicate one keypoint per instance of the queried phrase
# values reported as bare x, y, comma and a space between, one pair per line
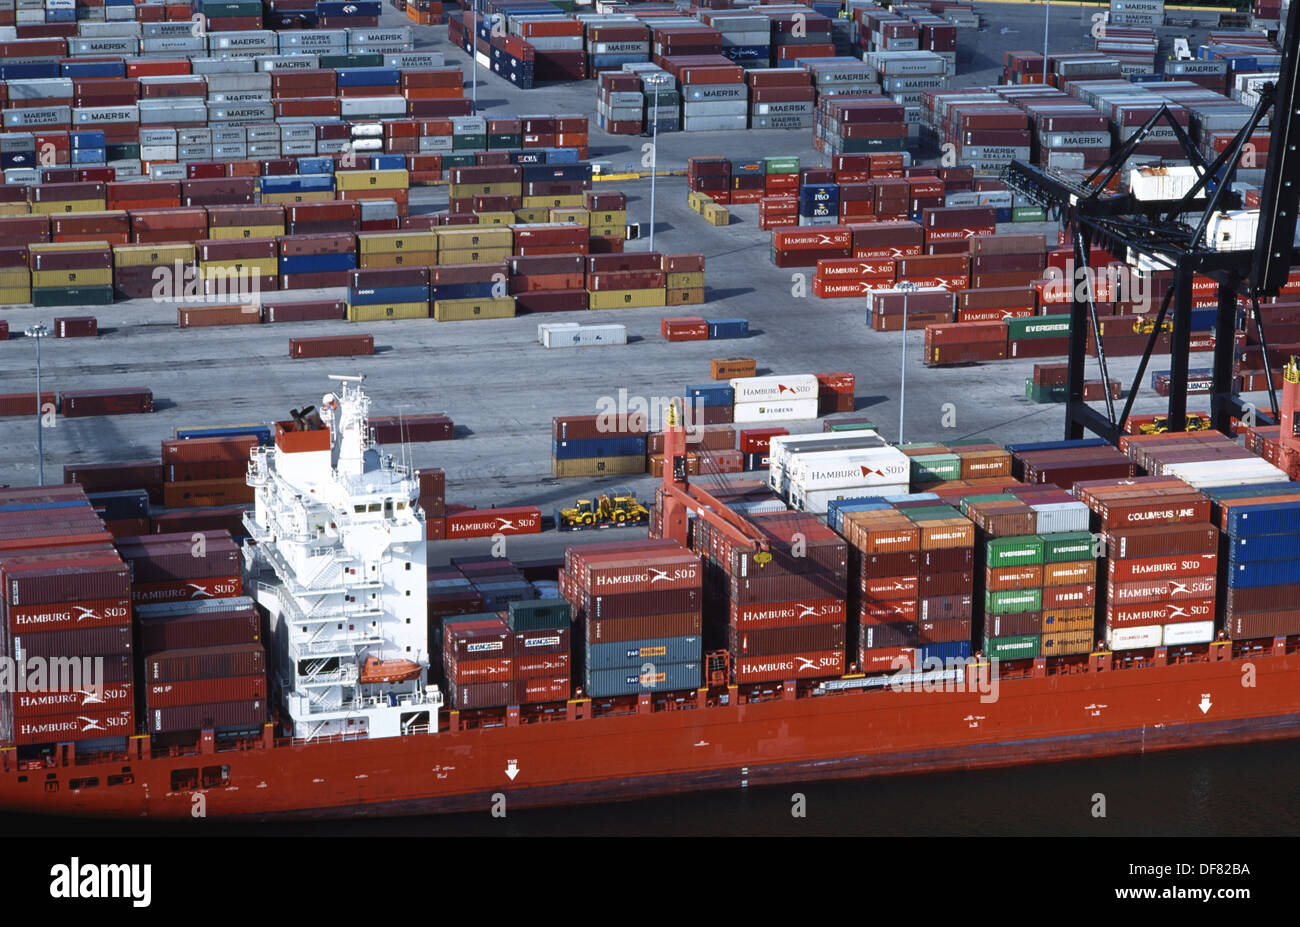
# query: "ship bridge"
339, 553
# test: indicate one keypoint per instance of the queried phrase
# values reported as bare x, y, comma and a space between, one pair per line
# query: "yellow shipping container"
464, 191
617, 219
249, 267
569, 214
397, 179
1068, 642
623, 299
553, 202
389, 311
598, 466
528, 216
15, 209
410, 240
66, 206
86, 276
246, 231
40, 246
693, 296
716, 215
372, 259
15, 295
686, 280
148, 255
309, 196
609, 231
697, 201
495, 218
15, 276
462, 310
463, 237
449, 256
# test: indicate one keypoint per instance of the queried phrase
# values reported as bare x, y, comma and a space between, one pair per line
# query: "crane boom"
680, 497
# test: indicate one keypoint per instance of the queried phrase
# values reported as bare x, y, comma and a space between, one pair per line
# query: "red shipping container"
478, 523
77, 725
206, 691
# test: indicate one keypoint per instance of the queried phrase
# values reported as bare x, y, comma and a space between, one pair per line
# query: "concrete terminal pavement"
496, 382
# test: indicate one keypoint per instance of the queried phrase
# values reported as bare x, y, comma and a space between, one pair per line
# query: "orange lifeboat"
376, 670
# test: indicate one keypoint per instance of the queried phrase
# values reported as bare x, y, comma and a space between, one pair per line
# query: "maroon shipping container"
789, 667
640, 627
1149, 590
772, 641
317, 310
1162, 540
205, 663
14, 404
399, 429
116, 697
233, 448
205, 691
477, 640
786, 588
945, 607
162, 561
583, 427
67, 616
127, 400
661, 602
1265, 624
643, 574
764, 615
1126, 571
541, 664
213, 623
482, 695
76, 725
87, 642
332, 346
80, 326
246, 714
186, 590
1144, 613
547, 687
34, 583
544, 643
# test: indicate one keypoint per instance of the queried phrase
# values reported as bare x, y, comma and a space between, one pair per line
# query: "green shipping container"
230, 7
1028, 214
497, 140
1042, 394
127, 151
928, 512
780, 165
1007, 601
1038, 326
352, 60
72, 295
458, 160
469, 142
990, 497
1023, 550
1014, 647
1068, 547
931, 468
851, 426
539, 615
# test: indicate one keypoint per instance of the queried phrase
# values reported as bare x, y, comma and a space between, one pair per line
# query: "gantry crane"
1172, 234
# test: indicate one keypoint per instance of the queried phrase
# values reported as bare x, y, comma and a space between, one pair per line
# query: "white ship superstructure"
338, 546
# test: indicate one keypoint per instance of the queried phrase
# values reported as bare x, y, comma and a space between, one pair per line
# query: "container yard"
947, 444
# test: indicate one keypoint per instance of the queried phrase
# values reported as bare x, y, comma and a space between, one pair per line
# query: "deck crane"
1172, 234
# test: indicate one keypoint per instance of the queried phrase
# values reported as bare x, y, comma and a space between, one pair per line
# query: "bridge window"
87, 783
216, 776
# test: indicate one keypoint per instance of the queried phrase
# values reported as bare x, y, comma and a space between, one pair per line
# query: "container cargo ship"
336, 561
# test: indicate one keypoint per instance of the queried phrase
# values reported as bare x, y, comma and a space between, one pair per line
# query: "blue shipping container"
1264, 573
1270, 518
635, 654
1263, 547
317, 263
261, 432
462, 290
623, 446
369, 77
297, 183
728, 328
953, 650
128, 503
41, 506
668, 678
379, 296
314, 165
340, 9
711, 395
1055, 445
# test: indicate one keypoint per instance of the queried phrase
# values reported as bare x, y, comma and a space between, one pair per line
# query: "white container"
877, 466
817, 502
775, 410
782, 447
157, 152
1188, 632
584, 336
1147, 635
544, 327
1060, 517
1235, 230
1208, 473
784, 388
372, 106
1162, 183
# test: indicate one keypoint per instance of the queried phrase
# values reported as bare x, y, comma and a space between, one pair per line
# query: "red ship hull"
1034, 719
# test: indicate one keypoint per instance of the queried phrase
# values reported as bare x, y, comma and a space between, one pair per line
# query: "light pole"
908, 288
39, 331
655, 81
473, 53
1047, 24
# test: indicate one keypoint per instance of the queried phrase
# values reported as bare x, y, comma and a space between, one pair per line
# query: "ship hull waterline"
1052, 718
